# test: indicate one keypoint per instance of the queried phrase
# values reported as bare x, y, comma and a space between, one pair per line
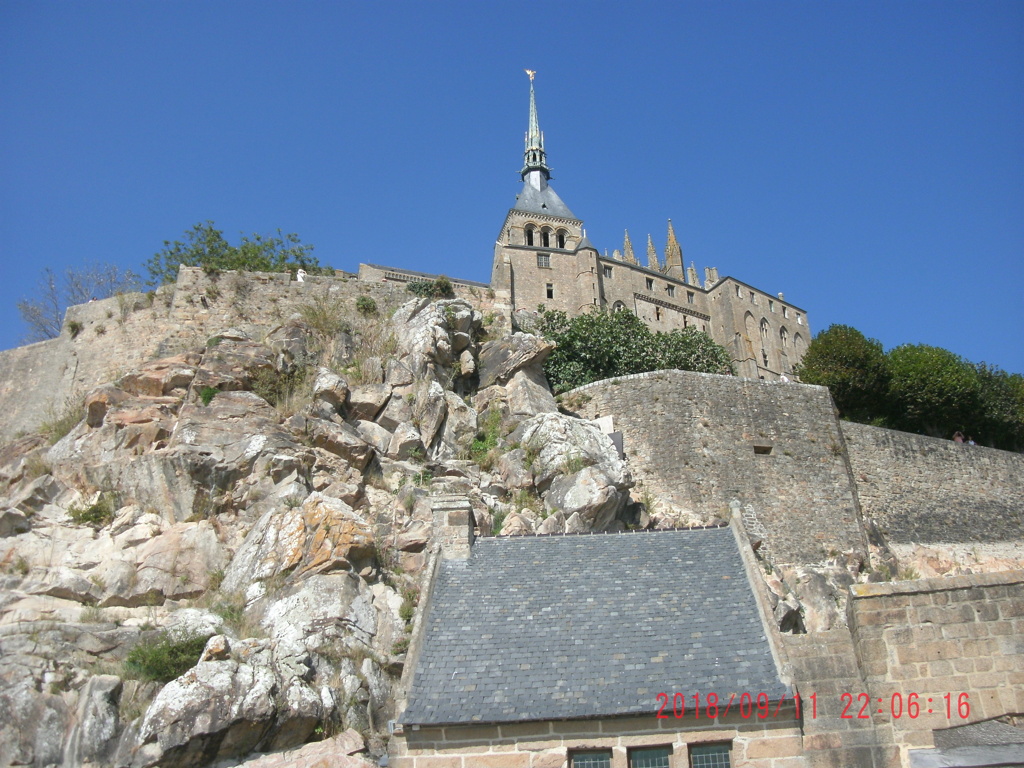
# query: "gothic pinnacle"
627, 250
673, 255
535, 157
652, 255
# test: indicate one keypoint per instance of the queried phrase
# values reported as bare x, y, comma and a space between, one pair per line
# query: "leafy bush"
204, 246
601, 345
97, 514
854, 368
74, 328
164, 658
206, 394
432, 289
365, 305
324, 317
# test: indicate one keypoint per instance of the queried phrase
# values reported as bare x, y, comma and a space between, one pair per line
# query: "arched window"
545, 237
765, 329
560, 238
618, 306
784, 336
529, 235
798, 344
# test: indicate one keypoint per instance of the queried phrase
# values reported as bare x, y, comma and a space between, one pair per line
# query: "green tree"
44, 313
853, 367
601, 345
204, 246
1000, 420
932, 390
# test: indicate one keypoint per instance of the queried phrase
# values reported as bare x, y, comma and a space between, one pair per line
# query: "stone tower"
541, 255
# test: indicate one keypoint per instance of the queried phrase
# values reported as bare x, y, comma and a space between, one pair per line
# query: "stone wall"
701, 441
925, 490
117, 334
770, 743
933, 638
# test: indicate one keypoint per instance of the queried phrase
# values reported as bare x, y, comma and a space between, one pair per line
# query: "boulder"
397, 411
324, 534
591, 494
528, 393
330, 388
161, 377
431, 408
405, 443
13, 522
501, 359
341, 440
367, 400
375, 435
558, 444
233, 364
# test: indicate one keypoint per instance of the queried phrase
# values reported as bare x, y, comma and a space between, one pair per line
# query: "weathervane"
531, 73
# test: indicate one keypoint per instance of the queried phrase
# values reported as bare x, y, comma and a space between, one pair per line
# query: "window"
799, 319
739, 292
650, 283
689, 297
670, 290
650, 757
545, 237
771, 305
753, 299
657, 313
765, 328
618, 306
709, 756
560, 238
785, 311
529, 235
607, 271
544, 260
551, 290
592, 759
784, 337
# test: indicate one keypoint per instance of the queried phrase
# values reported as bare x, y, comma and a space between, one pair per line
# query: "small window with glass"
709, 756
670, 290
650, 283
689, 297
544, 260
591, 758
607, 271
650, 757
551, 290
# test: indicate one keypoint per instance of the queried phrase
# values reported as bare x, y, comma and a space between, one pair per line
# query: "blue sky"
865, 158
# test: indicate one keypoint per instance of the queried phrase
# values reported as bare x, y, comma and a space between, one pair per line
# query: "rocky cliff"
221, 556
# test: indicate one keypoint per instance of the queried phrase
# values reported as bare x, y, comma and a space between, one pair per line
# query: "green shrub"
74, 328
366, 305
206, 394
432, 289
97, 514
163, 659
400, 646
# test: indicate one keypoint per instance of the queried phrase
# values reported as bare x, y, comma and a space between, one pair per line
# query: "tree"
204, 246
933, 390
1000, 421
44, 314
853, 367
601, 345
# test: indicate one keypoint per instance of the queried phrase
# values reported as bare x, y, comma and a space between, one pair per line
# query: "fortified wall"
114, 335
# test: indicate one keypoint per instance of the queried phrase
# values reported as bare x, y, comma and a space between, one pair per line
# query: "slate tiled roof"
544, 200
564, 627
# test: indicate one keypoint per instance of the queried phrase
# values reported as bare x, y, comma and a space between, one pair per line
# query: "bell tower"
541, 255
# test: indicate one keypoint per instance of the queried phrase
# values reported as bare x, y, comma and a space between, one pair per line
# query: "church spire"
534, 156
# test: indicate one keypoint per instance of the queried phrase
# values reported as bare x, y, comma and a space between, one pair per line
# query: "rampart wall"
925, 490
702, 441
117, 334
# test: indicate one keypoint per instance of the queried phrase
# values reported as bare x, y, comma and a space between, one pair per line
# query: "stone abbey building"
543, 256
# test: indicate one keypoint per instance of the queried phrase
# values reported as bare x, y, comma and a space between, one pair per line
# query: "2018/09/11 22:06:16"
854, 706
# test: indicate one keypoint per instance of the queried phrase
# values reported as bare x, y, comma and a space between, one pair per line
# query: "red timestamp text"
862, 706
759, 706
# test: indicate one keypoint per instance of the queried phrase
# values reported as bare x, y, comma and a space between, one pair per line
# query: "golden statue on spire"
531, 73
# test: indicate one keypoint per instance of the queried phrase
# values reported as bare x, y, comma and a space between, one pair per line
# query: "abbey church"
543, 256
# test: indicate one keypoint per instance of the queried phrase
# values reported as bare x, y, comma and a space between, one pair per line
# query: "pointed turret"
627, 250
673, 255
535, 159
652, 255
691, 275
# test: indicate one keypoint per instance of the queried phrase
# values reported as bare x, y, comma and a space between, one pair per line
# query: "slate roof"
544, 201
565, 627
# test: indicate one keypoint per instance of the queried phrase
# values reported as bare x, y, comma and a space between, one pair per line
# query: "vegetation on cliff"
916, 388
601, 345
204, 246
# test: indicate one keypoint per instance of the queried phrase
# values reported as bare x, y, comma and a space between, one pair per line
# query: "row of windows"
701, 756
545, 236
771, 305
669, 289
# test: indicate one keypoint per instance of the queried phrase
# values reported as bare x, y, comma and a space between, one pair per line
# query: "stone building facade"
543, 256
